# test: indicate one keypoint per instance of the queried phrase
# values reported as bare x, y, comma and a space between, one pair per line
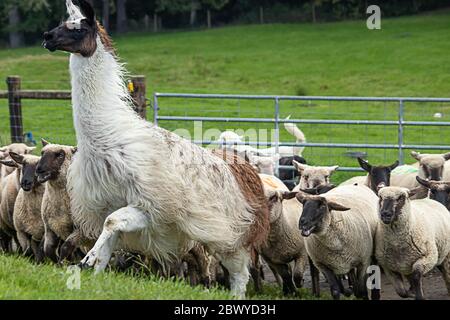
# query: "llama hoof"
88, 261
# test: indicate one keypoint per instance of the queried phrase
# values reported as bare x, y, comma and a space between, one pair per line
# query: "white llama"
139, 187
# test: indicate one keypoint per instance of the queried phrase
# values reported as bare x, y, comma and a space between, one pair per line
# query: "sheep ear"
332, 169
74, 150
446, 156
336, 206
312, 191
299, 166
9, 163
423, 182
416, 155
394, 165
364, 164
30, 150
325, 188
18, 158
286, 195
44, 142
413, 192
301, 197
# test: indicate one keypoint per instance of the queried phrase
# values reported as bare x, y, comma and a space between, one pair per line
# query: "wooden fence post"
15, 108
138, 92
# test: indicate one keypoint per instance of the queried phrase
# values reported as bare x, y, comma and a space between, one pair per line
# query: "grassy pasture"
408, 57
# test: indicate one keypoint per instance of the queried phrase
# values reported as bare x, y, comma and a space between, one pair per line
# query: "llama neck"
99, 97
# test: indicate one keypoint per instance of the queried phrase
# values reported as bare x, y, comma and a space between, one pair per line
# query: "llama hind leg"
124, 220
237, 265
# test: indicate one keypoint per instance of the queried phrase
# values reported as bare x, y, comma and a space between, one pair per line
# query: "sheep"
27, 208
288, 174
264, 165
229, 140
313, 176
18, 148
431, 166
11, 186
411, 239
377, 177
284, 243
438, 190
52, 170
338, 242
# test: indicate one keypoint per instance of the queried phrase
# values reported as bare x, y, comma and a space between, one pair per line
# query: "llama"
142, 188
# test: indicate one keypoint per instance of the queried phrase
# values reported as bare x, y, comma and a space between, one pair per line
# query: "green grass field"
408, 57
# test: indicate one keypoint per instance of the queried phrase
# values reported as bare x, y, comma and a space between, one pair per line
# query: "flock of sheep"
395, 216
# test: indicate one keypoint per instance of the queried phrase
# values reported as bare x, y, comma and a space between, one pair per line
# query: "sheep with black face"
52, 170
438, 190
27, 221
377, 177
412, 238
338, 228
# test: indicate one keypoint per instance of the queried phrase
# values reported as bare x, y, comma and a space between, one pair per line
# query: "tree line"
22, 21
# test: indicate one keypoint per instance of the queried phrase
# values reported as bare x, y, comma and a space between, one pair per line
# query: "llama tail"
297, 133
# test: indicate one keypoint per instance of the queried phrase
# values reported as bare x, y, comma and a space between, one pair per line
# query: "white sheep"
229, 140
313, 176
52, 170
430, 166
339, 242
411, 239
285, 243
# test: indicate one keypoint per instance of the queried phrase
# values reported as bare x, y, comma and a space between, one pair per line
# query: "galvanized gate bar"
400, 123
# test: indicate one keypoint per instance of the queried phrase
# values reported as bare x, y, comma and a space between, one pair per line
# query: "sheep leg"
204, 263
70, 247
299, 270
333, 281
50, 244
315, 277
416, 284
284, 270
124, 220
360, 286
36, 247
397, 281
5, 241
444, 268
237, 266
276, 276
255, 268
24, 241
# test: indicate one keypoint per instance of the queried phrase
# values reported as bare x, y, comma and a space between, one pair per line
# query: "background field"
408, 57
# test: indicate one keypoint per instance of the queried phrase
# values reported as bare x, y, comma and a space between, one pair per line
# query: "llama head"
79, 33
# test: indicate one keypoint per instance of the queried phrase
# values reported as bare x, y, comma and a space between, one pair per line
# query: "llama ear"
87, 10
332, 169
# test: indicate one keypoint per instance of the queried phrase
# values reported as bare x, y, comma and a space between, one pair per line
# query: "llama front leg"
124, 220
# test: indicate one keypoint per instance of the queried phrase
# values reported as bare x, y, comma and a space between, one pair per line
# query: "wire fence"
337, 129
